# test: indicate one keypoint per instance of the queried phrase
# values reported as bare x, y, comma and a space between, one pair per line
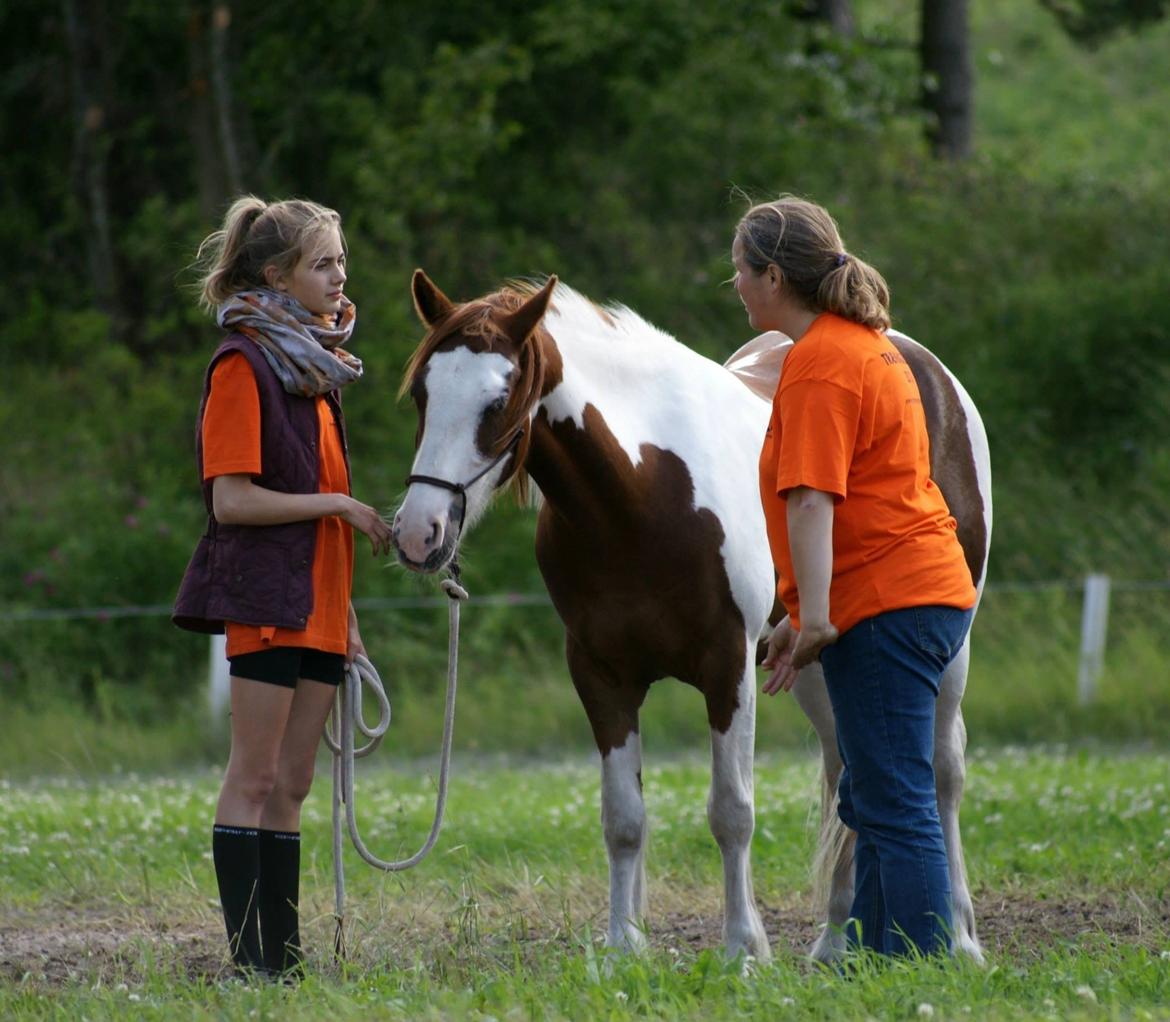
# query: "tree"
1091, 22
947, 77
838, 14
90, 87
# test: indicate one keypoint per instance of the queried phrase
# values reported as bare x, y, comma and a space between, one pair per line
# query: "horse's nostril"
433, 538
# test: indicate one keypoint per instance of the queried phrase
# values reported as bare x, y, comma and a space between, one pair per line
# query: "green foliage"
1092, 21
601, 141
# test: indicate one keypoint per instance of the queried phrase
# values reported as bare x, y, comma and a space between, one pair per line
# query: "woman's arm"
236, 500
810, 538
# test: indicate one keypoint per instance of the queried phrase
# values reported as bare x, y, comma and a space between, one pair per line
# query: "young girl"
275, 565
869, 565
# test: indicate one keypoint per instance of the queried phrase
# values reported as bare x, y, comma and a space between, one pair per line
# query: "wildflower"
621, 995
1086, 992
925, 1010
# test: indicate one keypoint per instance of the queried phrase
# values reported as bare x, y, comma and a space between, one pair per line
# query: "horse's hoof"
753, 948
629, 939
829, 948
968, 947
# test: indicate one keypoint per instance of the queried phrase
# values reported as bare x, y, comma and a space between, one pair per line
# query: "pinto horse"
652, 544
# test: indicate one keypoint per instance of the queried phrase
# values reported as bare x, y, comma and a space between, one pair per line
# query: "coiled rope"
339, 736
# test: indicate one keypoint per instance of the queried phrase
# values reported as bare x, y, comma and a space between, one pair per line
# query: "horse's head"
475, 380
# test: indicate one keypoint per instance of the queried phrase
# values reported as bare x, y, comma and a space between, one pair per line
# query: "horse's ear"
519, 324
429, 302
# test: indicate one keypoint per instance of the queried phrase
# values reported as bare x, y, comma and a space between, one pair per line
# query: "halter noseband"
462, 488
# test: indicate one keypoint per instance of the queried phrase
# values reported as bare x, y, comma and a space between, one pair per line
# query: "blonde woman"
274, 567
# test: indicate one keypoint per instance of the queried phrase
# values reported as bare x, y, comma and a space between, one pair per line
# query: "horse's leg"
950, 773
612, 707
833, 861
731, 814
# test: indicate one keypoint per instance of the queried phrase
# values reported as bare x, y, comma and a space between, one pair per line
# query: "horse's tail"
834, 842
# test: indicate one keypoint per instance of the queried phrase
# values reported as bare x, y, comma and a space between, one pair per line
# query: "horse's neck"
616, 389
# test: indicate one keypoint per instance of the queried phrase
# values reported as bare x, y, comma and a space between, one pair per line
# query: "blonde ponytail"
255, 235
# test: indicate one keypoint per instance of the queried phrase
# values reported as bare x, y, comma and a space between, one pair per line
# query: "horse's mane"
476, 319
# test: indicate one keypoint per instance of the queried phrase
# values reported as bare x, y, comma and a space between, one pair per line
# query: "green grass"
515, 692
1067, 851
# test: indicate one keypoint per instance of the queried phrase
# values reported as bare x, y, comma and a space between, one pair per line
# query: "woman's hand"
353, 639
790, 651
779, 658
810, 640
368, 522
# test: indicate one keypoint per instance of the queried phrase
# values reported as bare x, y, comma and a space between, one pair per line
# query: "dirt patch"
1017, 925
106, 948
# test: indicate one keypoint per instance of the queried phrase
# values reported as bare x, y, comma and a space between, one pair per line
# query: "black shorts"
282, 665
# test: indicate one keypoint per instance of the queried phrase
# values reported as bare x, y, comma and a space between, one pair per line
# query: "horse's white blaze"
696, 411
460, 384
623, 821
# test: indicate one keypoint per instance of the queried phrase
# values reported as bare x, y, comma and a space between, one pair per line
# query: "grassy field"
515, 691
107, 906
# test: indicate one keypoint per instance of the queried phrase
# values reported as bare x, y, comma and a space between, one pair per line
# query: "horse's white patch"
650, 389
623, 821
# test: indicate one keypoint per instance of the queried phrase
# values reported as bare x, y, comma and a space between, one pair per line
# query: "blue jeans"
883, 678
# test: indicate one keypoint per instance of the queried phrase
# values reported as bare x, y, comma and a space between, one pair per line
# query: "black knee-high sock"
236, 854
280, 884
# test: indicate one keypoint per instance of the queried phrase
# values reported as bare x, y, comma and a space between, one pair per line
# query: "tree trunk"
90, 149
221, 19
209, 173
838, 13
947, 77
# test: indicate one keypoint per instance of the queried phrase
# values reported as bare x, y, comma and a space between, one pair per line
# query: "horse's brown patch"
952, 462
635, 571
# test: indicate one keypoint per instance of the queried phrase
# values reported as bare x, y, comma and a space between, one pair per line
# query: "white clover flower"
925, 1010
621, 995
1086, 992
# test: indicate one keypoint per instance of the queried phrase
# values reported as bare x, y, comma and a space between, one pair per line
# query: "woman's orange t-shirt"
231, 445
847, 419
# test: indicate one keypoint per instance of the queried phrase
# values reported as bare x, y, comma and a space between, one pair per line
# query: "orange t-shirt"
231, 445
847, 419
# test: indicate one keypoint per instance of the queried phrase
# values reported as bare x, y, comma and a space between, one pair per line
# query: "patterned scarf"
303, 349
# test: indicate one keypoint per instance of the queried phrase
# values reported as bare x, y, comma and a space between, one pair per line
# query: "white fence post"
1094, 625
219, 686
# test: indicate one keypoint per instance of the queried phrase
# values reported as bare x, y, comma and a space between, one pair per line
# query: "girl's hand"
353, 639
368, 522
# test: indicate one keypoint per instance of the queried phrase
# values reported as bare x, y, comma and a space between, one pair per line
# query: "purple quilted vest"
259, 574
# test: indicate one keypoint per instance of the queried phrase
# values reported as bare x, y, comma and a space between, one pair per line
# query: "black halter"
462, 488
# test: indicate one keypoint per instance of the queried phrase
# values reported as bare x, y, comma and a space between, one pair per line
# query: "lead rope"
339, 736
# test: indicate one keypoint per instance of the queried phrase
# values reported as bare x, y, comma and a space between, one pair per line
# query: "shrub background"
606, 142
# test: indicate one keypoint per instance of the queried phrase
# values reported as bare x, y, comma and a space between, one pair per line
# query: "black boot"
236, 854
280, 882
